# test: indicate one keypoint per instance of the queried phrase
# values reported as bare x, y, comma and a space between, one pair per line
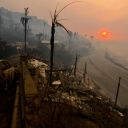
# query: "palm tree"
24, 21
55, 22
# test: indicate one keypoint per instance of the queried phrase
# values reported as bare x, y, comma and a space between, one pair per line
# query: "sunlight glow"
104, 34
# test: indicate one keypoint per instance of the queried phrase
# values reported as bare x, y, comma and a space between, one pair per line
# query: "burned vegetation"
68, 103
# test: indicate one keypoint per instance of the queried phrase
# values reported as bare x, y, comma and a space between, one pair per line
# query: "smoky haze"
88, 18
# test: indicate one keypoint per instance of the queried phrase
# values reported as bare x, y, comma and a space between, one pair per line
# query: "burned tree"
55, 23
24, 21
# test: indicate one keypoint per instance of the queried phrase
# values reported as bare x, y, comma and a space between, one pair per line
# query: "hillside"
12, 30
69, 45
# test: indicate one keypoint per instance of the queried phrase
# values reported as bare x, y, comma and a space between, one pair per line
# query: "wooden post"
75, 65
117, 93
85, 72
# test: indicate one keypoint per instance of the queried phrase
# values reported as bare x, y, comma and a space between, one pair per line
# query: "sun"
104, 34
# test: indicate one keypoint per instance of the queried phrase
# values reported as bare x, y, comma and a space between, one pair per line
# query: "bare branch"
51, 15
66, 7
56, 9
62, 19
60, 25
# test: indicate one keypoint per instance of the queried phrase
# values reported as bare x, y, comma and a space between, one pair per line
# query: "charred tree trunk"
24, 21
25, 35
52, 52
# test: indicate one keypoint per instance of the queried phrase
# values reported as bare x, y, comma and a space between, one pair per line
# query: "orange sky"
88, 17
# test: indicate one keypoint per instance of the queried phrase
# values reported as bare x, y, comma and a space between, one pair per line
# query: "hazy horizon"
88, 17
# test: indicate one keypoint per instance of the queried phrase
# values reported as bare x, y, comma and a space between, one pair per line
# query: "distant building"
47, 43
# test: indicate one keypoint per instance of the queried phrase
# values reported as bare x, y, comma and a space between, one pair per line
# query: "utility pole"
24, 21
117, 93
